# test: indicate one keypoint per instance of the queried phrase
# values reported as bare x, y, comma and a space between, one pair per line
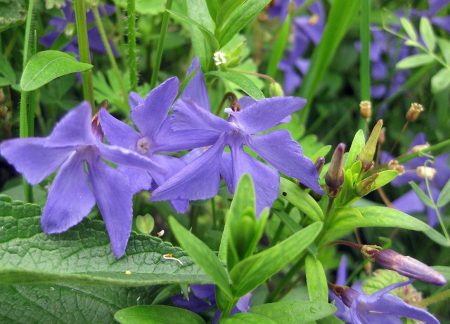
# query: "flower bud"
320, 162
382, 137
145, 223
365, 186
414, 112
335, 174
368, 152
421, 147
396, 166
404, 265
426, 172
275, 90
365, 109
346, 294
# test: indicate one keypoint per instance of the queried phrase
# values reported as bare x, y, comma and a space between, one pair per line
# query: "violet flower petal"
196, 88
409, 203
117, 132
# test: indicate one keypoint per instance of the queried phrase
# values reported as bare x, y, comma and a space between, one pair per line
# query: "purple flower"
435, 6
356, 307
307, 30
410, 202
203, 298
66, 25
73, 147
200, 178
153, 136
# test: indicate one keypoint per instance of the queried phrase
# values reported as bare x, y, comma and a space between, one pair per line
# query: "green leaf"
253, 271
277, 51
12, 13
347, 219
444, 270
202, 255
375, 181
444, 196
358, 143
414, 61
444, 45
422, 195
238, 18
409, 28
157, 314
316, 280
213, 7
426, 31
291, 312
8, 76
242, 81
68, 303
441, 80
46, 66
247, 318
82, 255
300, 199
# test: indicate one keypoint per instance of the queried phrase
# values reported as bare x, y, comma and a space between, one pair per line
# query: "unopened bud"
426, 172
275, 90
320, 162
335, 174
97, 128
396, 166
145, 223
421, 147
404, 265
365, 186
365, 109
368, 152
382, 137
414, 112
346, 294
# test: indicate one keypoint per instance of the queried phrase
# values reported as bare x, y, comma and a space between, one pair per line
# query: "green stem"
213, 211
443, 295
364, 68
132, 44
24, 118
83, 48
112, 59
162, 37
433, 148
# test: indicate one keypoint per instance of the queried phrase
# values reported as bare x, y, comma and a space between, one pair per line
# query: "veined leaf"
414, 61
409, 28
242, 81
247, 318
358, 143
46, 66
146, 314
426, 31
82, 255
316, 280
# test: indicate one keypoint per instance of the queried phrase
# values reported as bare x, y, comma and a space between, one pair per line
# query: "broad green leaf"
213, 7
444, 45
12, 13
83, 255
253, 271
46, 66
197, 10
441, 80
202, 255
375, 181
339, 20
421, 194
300, 199
316, 280
347, 219
292, 312
358, 143
444, 196
414, 61
427, 34
146, 314
68, 303
409, 28
247, 318
242, 81
240, 17
444, 270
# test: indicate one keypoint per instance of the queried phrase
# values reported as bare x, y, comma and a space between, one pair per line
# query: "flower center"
143, 145
313, 20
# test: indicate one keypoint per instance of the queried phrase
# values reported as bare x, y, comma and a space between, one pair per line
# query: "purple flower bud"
320, 162
408, 267
368, 152
335, 174
346, 294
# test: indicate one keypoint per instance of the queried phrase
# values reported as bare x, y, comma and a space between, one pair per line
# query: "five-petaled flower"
83, 179
200, 178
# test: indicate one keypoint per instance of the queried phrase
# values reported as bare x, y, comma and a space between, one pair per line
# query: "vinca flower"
203, 298
246, 121
153, 136
438, 174
83, 178
66, 25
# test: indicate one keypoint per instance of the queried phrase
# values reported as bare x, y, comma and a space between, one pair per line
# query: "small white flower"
220, 58
426, 172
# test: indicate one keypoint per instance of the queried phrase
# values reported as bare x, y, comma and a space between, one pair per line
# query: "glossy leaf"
255, 270
83, 255
46, 66
316, 280
202, 255
157, 314
357, 146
